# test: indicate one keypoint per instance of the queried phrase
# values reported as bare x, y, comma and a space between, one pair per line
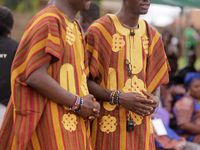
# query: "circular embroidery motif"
70, 38
137, 86
117, 43
69, 122
108, 124
136, 118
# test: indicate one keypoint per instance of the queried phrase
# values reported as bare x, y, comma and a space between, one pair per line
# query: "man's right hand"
136, 103
90, 108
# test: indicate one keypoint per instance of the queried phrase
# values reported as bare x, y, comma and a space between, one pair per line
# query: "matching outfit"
129, 63
32, 121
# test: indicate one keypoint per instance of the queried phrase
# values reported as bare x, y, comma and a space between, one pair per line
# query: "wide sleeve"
157, 63
95, 58
40, 43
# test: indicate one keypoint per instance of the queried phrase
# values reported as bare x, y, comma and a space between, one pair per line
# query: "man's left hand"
155, 99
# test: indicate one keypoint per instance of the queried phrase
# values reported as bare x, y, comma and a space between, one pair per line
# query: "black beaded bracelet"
81, 104
117, 98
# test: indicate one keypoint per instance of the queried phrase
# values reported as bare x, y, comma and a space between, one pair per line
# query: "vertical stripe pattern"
31, 120
101, 54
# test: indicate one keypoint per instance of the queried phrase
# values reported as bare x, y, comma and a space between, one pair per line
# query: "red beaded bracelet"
76, 104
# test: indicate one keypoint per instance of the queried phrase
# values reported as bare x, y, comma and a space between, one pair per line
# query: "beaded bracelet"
76, 104
117, 98
81, 104
112, 97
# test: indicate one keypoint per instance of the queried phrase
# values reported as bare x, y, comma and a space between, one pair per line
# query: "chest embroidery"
134, 85
70, 38
145, 41
136, 118
69, 122
108, 124
117, 43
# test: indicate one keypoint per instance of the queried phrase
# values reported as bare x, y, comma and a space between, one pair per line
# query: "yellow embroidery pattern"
136, 118
117, 43
108, 107
151, 126
108, 124
80, 35
70, 38
67, 80
145, 40
137, 85
111, 84
69, 122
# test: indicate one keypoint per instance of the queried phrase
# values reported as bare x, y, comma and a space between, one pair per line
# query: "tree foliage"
22, 5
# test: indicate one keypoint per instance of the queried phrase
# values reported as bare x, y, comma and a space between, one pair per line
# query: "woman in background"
187, 109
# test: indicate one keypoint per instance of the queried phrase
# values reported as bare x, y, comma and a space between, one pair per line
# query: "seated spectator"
8, 48
171, 93
187, 109
171, 140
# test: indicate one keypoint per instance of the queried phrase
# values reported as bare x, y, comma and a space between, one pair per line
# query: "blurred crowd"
180, 98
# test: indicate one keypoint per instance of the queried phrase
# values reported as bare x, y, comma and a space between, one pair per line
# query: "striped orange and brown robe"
108, 45
31, 120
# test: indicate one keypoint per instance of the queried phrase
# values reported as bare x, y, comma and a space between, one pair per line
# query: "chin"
143, 12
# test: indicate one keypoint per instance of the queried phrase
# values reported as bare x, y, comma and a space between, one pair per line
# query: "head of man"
79, 5
72, 6
6, 21
87, 17
137, 7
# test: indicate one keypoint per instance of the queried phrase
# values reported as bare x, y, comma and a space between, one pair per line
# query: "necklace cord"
69, 18
136, 27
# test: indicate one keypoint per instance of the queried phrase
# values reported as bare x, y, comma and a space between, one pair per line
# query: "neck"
127, 18
67, 9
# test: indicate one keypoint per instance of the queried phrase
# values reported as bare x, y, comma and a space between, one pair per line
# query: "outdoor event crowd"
103, 83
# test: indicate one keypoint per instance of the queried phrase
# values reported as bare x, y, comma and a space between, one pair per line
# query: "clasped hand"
90, 108
138, 103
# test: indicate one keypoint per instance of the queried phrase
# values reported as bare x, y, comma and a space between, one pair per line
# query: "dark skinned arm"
190, 128
44, 84
132, 101
155, 96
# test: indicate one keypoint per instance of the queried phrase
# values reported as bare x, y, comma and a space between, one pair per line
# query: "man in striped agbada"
50, 98
126, 58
